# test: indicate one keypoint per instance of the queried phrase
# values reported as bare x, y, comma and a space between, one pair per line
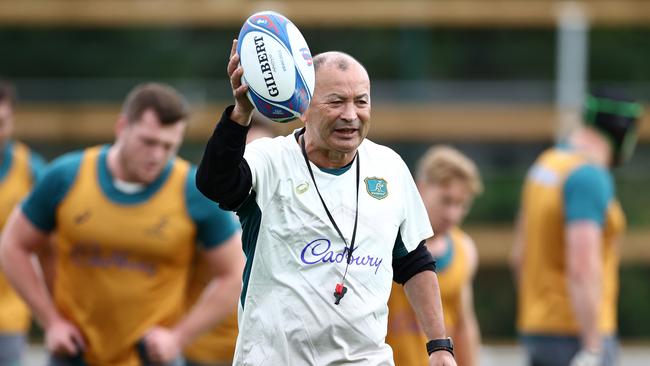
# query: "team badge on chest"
376, 187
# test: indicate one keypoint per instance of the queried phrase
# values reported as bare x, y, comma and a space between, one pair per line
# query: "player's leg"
610, 351
12, 346
550, 350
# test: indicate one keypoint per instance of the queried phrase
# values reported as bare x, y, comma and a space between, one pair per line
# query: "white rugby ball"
278, 66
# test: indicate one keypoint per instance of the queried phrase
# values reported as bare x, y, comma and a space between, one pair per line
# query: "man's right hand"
62, 338
243, 107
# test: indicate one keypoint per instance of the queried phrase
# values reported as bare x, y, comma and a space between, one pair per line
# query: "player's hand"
162, 345
442, 358
243, 107
587, 358
63, 338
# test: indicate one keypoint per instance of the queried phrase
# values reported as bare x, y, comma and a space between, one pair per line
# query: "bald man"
329, 218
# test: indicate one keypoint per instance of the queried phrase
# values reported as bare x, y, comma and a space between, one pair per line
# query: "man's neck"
114, 165
328, 159
592, 145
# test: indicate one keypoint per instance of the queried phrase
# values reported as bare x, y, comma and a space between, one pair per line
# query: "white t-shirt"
287, 315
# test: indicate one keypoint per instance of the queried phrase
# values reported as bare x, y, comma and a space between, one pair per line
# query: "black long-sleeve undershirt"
416, 261
223, 174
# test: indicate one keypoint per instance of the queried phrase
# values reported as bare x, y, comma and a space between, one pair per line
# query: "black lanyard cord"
351, 248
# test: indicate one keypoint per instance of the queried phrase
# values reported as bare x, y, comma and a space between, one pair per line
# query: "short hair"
341, 60
7, 92
442, 164
170, 107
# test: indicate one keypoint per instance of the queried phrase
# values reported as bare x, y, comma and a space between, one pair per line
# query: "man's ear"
120, 125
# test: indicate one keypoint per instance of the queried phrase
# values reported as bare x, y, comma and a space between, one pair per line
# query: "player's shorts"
12, 346
544, 350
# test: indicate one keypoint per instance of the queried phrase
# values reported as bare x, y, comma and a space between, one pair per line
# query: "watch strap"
441, 344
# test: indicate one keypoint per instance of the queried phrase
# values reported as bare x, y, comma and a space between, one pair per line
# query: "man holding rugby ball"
329, 219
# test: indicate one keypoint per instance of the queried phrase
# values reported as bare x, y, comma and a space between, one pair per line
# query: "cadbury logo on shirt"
86, 254
319, 251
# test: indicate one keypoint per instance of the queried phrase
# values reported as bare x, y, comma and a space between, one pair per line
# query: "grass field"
491, 355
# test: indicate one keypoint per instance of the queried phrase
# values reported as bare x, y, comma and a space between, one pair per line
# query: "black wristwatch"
442, 344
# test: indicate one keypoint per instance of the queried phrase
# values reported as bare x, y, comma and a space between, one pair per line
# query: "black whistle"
339, 292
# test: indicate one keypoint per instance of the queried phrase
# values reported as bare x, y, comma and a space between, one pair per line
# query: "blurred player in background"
448, 181
566, 253
217, 347
19, 169
329, 218
128, 219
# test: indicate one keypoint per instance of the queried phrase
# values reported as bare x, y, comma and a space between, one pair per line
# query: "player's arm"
20, 240
219, 298
45, 253
584, 268
423, 293
26, 231
415, 271
587, 193
467, 338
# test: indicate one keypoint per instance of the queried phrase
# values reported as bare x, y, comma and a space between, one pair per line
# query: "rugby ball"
277, 65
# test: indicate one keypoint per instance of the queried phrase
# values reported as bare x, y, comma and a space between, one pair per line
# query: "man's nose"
349, 112
159, 152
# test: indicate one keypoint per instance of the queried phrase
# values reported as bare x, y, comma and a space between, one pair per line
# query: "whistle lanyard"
351, 247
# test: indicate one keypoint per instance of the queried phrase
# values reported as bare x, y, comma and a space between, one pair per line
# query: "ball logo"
306, 55
266, 22
265, 66
302, 98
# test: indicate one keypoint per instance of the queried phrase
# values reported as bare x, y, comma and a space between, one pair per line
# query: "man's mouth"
346, 132
152, 167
